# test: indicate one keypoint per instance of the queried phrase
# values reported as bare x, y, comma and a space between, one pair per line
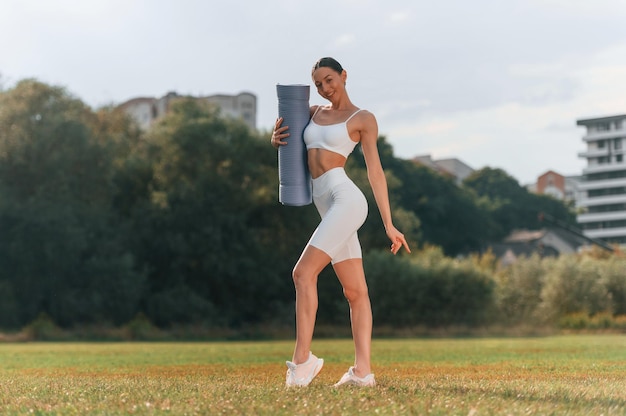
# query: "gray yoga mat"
293, 170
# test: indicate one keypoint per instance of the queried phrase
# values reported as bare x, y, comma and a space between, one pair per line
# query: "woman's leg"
305, 273
352, 277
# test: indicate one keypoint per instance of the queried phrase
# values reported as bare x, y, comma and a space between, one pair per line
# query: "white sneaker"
351, 379
302, 374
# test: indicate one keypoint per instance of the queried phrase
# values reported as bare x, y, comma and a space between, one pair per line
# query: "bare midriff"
321, 161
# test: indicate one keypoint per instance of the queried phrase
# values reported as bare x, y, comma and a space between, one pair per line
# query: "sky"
493, 83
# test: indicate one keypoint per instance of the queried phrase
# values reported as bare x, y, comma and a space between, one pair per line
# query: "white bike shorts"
343, 209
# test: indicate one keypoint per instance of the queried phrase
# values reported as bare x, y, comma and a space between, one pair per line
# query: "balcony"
602, 200
606, 233
605, 167
594, 153
601, 216
603, 135
601, 184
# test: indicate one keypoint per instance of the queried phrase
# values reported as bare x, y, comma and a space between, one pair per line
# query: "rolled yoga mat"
293, 170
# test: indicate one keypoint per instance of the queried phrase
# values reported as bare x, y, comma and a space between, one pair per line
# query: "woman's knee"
303, 276
356, 294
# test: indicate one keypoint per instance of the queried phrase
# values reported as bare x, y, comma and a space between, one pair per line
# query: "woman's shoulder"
365, 116
313, 109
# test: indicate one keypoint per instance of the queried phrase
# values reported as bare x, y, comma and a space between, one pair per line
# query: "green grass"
561, 375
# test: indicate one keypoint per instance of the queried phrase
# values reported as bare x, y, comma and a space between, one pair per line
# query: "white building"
603, 185
146, 110
453, 167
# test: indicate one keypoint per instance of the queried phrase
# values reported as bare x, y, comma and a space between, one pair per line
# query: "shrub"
427, 289
140, 328
43, 328
613, 271
573, 285
577, 320
602, 320
518, 290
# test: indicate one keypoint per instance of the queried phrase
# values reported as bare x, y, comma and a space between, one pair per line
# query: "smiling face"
329, 83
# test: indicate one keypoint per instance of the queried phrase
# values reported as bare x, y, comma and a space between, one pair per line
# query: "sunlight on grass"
576, 375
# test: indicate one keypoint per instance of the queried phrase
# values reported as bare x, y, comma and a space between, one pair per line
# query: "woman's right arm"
279, 134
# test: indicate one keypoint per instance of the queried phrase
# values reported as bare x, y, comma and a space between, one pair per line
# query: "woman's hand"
279, 134
397, 240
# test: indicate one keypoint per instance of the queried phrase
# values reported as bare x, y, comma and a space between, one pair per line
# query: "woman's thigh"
351, 276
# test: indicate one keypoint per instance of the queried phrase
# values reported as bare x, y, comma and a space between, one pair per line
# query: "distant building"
146, 110
453, 168
546, 242
603, 185
565, 188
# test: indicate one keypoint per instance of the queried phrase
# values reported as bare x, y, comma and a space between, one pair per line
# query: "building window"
594, 209
603, 127
619, 158
601, 144
617, 143
606, 175
618, 125
594, 193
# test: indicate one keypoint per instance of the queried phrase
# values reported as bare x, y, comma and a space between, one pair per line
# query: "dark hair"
328, 62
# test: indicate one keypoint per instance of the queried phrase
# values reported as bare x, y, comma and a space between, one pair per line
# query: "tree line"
101, 221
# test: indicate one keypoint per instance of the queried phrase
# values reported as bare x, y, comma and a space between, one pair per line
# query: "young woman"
330, 137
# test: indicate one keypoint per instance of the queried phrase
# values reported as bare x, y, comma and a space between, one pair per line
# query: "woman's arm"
279, 134
378, 182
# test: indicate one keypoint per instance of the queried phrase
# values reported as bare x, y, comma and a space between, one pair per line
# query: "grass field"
562, 375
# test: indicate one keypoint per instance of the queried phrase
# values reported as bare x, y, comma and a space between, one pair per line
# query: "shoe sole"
357, 383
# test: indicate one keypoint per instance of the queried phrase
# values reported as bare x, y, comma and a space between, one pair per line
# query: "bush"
43, 328
427, 289
140, 328
518, 290
573, 285
614, 278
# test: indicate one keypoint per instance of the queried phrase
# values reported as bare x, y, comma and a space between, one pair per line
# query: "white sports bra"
333, 137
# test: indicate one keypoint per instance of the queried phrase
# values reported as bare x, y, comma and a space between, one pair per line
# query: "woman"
330, 136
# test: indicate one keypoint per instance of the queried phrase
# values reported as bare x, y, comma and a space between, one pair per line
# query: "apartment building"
454, 168
603, 185
147, 110
565, 188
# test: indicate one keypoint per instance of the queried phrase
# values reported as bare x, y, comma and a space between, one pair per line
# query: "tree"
442, 213
510, 205
60, 252
209, 229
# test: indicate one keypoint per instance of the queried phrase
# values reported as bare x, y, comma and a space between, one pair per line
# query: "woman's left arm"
378, 182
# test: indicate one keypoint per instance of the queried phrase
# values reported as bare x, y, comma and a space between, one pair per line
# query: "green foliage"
518, 290
572, 285
43, 328
105, 224
140, 328
563, 291
62, 250
427, 289
614, 279
601, 321
510, 206
447, 215
213, 182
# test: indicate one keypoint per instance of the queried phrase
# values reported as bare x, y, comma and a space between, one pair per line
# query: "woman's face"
329, 82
